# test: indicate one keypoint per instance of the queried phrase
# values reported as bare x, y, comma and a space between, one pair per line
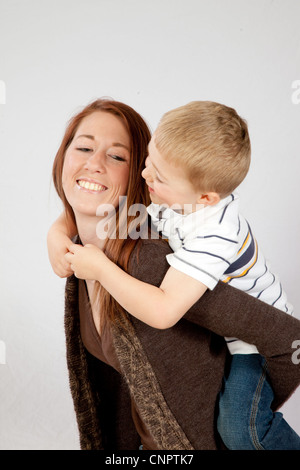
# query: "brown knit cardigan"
174, 376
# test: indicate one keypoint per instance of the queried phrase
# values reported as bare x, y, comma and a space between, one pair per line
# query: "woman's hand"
85, 261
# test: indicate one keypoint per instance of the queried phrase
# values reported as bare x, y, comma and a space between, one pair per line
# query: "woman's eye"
117, 157
84, 149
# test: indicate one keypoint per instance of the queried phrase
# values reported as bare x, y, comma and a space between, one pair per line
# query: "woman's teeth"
91, 186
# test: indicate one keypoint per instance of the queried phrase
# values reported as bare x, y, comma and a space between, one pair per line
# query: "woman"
130, 383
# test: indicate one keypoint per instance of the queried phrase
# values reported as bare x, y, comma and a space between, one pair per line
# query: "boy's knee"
233, 425
234, 433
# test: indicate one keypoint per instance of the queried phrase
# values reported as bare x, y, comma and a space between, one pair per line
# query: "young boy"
198, 155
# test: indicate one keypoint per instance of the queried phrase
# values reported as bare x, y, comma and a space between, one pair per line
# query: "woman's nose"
96, 162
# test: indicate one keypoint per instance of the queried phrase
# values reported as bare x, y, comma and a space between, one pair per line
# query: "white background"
58, 55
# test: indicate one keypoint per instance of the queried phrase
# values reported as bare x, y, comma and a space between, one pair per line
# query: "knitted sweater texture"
174, 376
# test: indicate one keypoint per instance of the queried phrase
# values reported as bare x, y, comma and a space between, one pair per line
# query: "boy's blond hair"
210, 141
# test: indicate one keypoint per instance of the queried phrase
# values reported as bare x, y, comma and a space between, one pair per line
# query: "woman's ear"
209, 199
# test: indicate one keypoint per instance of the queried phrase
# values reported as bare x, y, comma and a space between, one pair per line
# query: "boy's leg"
246, 420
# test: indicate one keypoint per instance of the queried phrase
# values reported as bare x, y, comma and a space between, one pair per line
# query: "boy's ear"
209, 199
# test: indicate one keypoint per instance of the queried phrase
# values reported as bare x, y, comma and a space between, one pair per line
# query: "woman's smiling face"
96, 164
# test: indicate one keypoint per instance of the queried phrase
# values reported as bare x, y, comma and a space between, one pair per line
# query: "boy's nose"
146, 173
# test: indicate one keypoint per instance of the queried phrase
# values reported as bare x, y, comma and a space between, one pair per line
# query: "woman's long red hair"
118, 249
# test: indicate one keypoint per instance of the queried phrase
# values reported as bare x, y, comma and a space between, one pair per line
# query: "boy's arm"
58, 240
230, 312
159, 307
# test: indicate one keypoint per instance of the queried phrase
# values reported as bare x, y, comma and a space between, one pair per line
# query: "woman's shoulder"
148, 260
148, 246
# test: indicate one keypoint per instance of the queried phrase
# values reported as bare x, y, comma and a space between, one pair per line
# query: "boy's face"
167, 183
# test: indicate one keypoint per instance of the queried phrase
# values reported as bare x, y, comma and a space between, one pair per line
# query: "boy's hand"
58, 244
85, 261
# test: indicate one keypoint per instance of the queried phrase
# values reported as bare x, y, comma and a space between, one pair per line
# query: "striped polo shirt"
216, 243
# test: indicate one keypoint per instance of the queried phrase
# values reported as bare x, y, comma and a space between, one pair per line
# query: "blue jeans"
246, 420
